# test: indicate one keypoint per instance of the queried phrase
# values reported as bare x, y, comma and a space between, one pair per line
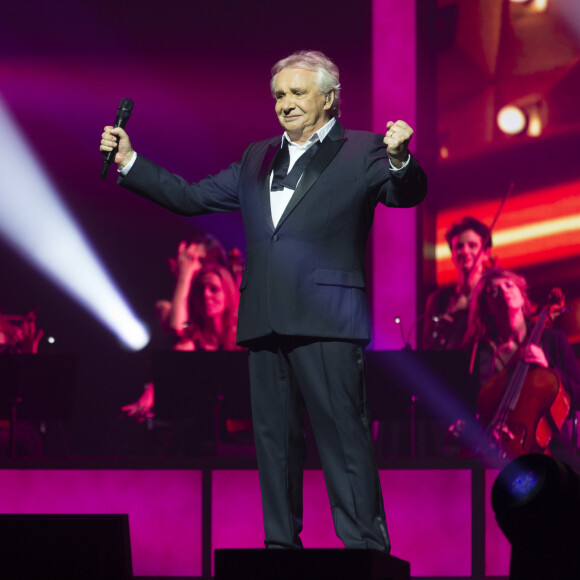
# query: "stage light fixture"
536, 500
36, 223
535, 123
511, 120
536, 5
526, 115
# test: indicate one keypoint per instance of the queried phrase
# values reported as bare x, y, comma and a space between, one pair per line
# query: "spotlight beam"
35, 222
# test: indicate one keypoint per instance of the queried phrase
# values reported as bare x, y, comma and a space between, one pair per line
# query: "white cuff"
393, 168
127, 167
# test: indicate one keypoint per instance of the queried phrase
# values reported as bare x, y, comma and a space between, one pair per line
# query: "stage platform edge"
308, 564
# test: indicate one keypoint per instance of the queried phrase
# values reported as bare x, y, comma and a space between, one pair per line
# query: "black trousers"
289, 375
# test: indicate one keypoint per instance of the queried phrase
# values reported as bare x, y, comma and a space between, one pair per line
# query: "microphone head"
124, 112
126, 104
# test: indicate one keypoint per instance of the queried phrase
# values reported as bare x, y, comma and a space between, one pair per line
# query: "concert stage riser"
440, 519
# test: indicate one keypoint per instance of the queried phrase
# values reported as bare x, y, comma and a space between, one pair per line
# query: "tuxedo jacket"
305, 276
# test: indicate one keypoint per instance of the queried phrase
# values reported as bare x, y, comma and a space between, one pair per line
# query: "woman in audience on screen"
203, 312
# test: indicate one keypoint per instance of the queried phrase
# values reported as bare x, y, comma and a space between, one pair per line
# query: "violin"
522, 410
446, 331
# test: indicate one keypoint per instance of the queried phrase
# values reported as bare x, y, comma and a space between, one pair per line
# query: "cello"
521, 412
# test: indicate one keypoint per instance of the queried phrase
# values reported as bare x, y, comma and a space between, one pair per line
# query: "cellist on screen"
529, 376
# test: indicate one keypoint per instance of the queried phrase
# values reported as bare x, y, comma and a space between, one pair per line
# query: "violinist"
499, 330
447, 308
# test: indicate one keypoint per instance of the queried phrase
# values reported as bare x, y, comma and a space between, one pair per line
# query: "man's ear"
329, 100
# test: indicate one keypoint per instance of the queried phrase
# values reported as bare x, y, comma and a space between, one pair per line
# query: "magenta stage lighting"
34, 221
536, 500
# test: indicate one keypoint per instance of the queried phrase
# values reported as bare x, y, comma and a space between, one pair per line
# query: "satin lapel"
264, 181
327, 151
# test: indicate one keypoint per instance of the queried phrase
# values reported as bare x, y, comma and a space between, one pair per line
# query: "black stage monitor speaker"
67, 547
309, 564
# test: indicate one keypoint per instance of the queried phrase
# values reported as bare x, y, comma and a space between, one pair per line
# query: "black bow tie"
281, 177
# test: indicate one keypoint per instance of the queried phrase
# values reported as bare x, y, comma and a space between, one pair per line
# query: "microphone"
123, 113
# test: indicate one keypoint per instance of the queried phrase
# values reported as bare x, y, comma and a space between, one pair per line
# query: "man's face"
300, 106
464, 250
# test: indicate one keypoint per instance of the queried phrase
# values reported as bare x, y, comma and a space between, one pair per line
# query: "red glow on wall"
534, 228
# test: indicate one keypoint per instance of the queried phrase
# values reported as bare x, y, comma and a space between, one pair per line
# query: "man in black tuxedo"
307, 200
